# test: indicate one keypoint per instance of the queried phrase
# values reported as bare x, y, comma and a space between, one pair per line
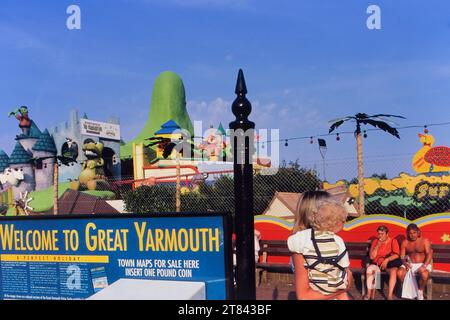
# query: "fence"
389, 189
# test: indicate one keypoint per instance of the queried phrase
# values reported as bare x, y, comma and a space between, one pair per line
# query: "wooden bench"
441, 254
273, 248
356, 250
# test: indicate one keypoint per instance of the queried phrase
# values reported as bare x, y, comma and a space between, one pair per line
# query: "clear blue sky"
305, 61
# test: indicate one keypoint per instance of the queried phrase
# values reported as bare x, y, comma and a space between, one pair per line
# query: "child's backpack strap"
316, 248
334, 261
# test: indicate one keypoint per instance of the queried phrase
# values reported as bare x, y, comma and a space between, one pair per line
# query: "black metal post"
242, 137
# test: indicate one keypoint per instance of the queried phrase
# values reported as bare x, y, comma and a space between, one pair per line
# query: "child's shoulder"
297, 240
301, 233
305, 231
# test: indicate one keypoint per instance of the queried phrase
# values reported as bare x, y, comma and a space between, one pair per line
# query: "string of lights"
338, 135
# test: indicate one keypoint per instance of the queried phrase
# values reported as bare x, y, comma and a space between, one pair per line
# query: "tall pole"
323, 168
360, 172
242, 136
178, 184
55, 187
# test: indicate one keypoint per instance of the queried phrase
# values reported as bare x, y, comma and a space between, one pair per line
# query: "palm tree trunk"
360, 173
55, 187
178, 187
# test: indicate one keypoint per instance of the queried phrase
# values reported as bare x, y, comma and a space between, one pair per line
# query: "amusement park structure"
100, 161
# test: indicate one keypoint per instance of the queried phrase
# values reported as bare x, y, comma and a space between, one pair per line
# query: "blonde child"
324, 253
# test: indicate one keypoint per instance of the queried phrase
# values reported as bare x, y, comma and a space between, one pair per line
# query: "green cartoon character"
92, 176
21, 114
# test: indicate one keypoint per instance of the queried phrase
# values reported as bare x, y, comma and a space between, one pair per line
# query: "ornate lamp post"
242, 136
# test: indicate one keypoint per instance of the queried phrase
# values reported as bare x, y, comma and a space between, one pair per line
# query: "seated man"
416, 254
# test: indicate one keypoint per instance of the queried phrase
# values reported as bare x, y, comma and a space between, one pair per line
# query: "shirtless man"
416, 254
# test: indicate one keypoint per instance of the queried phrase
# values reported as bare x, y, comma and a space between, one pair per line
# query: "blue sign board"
77, 257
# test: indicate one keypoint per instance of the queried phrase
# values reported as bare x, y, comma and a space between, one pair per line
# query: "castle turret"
4, 161
45, 151
22, 160
28, 141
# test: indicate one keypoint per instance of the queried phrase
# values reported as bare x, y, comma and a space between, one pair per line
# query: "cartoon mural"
431, 159
406, 195
435, 227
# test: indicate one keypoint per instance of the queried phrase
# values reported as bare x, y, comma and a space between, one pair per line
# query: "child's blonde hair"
330, 213
306, 206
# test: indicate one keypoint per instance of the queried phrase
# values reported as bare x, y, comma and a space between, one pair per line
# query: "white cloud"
266, 115
211, 113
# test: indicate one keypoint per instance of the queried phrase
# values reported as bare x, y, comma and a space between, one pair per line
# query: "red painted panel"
438, 232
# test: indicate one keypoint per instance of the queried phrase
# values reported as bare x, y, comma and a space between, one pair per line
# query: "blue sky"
305, 63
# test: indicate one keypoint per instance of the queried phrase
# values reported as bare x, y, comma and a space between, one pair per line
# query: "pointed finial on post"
241, 107
241, 88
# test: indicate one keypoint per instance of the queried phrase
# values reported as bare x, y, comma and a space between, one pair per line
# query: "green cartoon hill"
168, 103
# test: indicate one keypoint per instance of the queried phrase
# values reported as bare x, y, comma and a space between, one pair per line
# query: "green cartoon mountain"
168, 103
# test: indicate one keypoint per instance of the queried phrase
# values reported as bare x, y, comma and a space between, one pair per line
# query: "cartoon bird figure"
431, 159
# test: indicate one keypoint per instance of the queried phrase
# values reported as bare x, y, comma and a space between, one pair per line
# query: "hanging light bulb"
286, 143
311, 141
338, 138
425, 129
365, 134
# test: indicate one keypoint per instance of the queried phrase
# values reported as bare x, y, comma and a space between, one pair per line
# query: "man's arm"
428, 252
403, 254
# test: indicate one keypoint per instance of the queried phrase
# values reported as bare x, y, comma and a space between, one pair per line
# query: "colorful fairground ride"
167, 147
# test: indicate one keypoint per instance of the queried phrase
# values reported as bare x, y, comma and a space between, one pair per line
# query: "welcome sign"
79, 257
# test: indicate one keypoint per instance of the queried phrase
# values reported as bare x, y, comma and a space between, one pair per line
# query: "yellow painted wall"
404, 181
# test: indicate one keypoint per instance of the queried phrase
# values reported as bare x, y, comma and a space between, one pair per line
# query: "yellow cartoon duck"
431, 159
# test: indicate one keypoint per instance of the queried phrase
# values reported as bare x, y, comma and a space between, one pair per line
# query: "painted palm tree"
379, 121
184, 146
67, 161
